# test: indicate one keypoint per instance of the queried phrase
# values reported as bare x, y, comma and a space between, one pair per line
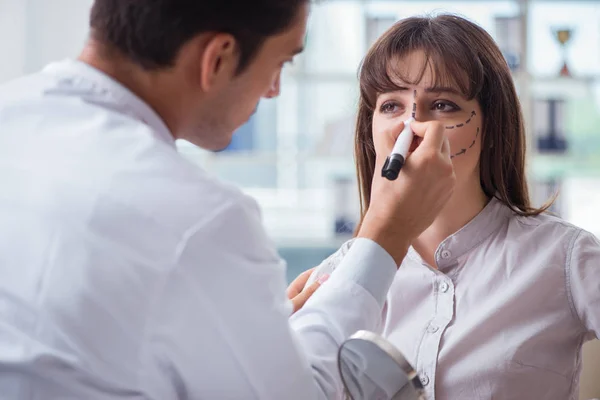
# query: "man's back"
95, 208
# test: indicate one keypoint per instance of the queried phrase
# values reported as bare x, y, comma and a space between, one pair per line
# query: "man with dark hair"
128, 273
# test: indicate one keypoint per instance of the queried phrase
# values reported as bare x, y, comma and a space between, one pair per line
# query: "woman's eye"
445, 106
389, 108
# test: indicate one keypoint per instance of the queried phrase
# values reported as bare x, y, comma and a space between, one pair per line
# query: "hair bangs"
452, 63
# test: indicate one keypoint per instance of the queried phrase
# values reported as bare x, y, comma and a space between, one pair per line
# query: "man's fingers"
432, 133
446, 147
387, 144
391, 137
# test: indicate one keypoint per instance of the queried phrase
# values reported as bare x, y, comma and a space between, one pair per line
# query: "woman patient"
495, 299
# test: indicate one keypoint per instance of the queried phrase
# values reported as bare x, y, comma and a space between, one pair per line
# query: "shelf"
548, 166
562, 87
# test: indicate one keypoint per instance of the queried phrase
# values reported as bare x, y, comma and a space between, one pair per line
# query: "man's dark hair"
151, 32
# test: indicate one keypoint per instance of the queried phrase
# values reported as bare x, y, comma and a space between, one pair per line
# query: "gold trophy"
563, 36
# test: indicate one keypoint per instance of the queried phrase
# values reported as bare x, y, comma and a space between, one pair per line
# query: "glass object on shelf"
581, 122
508, 37
344, 216
563, 36
549, 125
582, 52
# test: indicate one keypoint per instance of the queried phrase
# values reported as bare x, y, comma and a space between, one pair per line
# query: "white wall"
12, 38
36, 32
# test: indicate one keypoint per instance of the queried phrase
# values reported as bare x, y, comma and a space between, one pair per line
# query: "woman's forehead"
422, 74
432, 69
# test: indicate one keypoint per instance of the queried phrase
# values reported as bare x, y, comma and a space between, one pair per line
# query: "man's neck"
464, 205
154, 88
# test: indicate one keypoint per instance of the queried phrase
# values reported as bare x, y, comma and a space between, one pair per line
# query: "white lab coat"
128, 273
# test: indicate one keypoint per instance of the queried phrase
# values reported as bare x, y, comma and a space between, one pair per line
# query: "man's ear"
218, 62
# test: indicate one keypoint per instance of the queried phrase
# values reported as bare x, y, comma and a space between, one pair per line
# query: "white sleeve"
583, 273
328, 265
222, 327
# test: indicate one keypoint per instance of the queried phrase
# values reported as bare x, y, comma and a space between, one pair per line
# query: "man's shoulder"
160, 184
123, 165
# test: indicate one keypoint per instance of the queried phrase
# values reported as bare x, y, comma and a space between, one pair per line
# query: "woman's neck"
467, 201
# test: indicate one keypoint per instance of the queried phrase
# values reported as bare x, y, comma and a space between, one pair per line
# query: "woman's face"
461, 117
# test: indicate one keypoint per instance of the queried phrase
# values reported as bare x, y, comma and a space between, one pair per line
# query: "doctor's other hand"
299, 293
400, 210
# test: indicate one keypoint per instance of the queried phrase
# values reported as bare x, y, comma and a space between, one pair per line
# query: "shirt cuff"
370, 266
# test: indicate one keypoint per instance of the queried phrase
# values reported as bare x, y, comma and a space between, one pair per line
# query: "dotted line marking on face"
414, 110
473, 113
463, 151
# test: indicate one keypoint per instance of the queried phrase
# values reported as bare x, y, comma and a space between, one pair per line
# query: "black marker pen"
395, 161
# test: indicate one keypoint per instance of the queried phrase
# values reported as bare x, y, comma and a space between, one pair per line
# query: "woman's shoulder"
330, 263
547, 228
544, 220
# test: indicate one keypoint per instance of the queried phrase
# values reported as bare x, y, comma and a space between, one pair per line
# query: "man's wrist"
370, 266
393, 240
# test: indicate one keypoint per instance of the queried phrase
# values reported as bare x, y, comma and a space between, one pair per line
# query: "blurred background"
295, 154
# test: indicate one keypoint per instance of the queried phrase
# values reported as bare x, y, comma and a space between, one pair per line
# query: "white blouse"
506, 312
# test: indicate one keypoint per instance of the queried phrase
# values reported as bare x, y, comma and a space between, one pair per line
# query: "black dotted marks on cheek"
473, 113
460, 153
476, 135
463, 151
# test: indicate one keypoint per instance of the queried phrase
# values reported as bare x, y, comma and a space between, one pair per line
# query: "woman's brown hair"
463, 55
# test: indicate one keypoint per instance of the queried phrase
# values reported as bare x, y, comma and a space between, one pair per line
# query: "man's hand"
401, 210
298, 293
